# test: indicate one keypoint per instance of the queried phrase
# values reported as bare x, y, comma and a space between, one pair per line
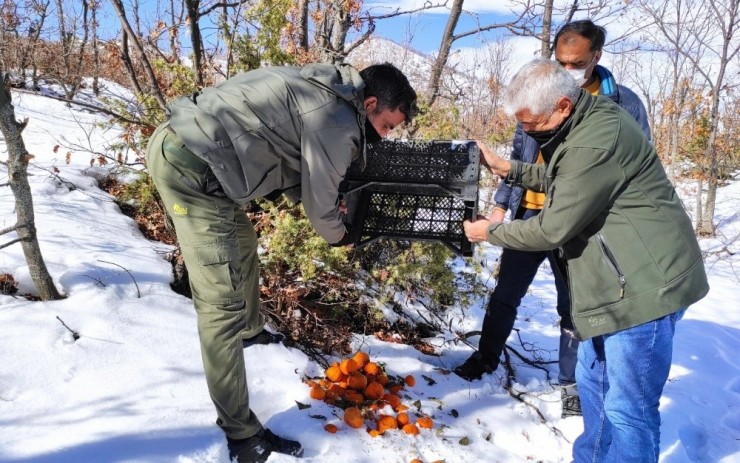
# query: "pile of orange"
367, 394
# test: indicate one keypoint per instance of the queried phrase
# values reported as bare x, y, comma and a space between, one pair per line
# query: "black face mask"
371, 135
543, 136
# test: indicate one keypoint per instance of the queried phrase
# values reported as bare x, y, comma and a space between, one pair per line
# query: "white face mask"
578, 74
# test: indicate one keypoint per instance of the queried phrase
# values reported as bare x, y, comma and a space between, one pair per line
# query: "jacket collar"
608, 85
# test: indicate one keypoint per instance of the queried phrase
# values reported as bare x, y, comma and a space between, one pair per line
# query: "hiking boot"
264, 337
571, 401
475, 367
257, 449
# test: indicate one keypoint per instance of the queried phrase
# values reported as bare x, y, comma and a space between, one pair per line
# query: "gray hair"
537, 86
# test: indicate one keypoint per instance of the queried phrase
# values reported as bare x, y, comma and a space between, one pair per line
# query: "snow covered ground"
131, 388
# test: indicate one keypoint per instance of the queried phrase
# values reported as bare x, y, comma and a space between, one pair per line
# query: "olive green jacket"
627, 243
278, 130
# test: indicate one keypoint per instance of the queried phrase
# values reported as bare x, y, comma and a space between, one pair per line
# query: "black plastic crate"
417, 190
448, 166
379, 212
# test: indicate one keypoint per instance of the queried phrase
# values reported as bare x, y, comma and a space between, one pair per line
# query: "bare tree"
130, 35
449, 37
709, 40
194, 15
25, 226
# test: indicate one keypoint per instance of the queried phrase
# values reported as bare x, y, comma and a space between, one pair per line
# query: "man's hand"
343, 207
495, 164
476, 231
497, 216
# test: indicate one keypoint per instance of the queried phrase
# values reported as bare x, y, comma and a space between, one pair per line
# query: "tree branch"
427, 6
10, 243
105, 111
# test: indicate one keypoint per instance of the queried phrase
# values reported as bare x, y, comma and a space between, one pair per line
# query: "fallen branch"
75, 334
520, 397
138, 293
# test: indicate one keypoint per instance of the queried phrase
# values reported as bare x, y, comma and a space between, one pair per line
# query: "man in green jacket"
271, 131
627, 245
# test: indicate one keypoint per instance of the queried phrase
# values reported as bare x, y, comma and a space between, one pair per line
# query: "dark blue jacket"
525, 148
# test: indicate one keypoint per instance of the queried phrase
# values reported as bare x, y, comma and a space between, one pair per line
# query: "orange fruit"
410, 429
372, 368
353, 417
386, 422
410, 380
361, 358
374, 391
333, 373
373, 432
395, 388
348, 366
382, 379
354, 397
393, 400
402, 418
331, 428
401, 408
357, 381
416, 460
317, 393
425, 422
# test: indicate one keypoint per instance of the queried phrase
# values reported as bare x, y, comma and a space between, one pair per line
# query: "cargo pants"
219, 247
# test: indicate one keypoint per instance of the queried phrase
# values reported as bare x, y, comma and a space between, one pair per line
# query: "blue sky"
423, 31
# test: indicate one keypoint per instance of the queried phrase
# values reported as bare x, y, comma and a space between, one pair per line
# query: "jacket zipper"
612, 263
563, 262
552, 193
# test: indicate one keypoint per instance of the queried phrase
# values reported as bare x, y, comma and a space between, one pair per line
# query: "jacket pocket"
613, 263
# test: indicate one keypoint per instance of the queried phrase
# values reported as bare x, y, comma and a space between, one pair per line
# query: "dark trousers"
516, 272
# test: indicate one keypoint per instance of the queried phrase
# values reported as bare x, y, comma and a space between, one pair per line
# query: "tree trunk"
174, 36
303, 25
96, 50
444, 51
707, 225
545, 50
18, 159
192, 7
153, 84
699, 205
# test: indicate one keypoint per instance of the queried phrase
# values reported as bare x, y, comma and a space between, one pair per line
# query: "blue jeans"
516, 273
620, 380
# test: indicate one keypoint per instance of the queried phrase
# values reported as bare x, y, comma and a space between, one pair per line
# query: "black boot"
571, 401
264, 337
475, 367
257, 449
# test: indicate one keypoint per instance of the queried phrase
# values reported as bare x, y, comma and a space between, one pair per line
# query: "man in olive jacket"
632, 260
271, 131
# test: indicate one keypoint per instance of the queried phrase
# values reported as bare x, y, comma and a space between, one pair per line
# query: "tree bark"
18, 159
303, 25
153, 84
192, 7
444, 51
545, 50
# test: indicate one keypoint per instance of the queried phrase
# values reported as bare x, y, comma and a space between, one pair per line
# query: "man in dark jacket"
271, 131
578, 48
632, 261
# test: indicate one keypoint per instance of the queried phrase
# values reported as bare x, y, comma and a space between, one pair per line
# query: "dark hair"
586, 29
392, 89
